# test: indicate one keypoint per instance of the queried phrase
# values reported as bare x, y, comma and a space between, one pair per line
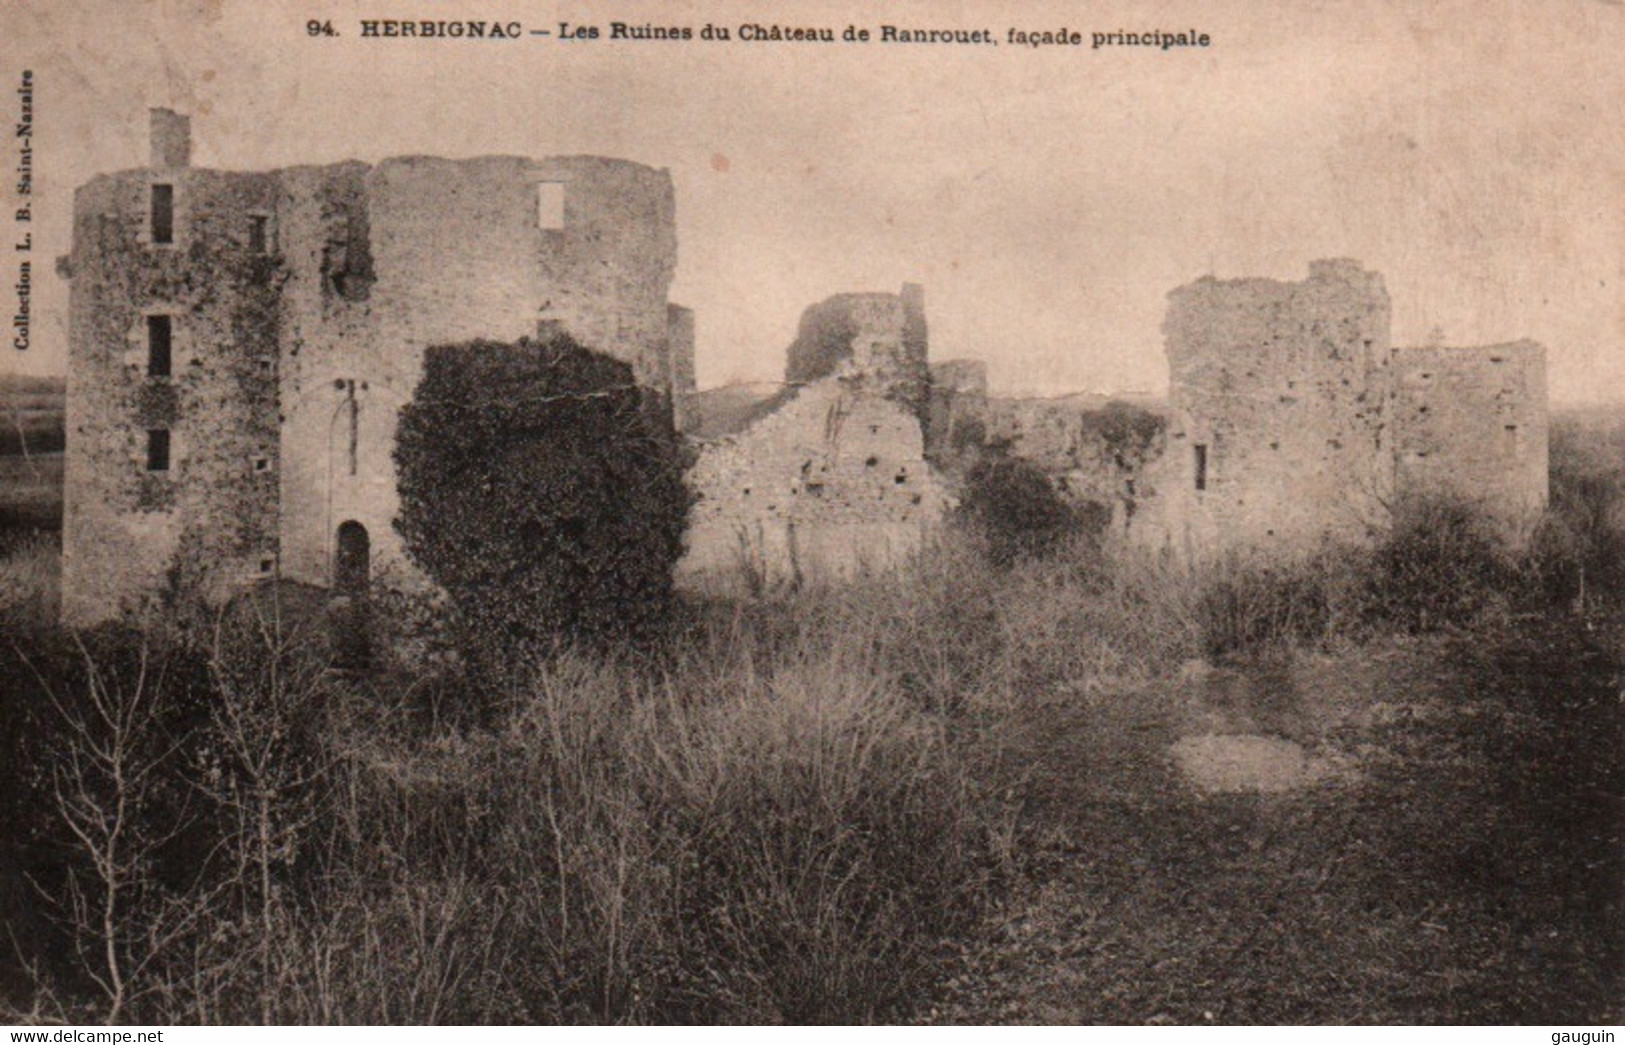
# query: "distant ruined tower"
833, 480
1278, 435
241, 344
1293, 421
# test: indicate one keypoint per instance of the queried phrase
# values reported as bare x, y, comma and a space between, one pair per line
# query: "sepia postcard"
835, 512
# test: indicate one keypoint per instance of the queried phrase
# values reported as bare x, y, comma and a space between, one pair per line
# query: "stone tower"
241, 344
1278, 395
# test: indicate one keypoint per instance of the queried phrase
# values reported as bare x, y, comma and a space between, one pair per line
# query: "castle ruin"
1278, 409
830, 478
1292, 421
240, 345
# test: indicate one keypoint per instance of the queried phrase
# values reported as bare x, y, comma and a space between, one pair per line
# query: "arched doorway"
352, 559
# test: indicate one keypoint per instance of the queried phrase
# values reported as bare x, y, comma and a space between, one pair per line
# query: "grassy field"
953, 794
1465, 866
31, 414
31, 443
30, 493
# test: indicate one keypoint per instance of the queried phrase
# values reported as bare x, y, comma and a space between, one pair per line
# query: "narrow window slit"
159, 342
163, 214
158, 450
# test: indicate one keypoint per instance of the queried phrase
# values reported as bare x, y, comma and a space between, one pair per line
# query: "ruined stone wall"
1098, 452
880, 339
414, 252
208, 522
1278, 434
834, 481
680, 335
1472, 422
303, 300
956, 422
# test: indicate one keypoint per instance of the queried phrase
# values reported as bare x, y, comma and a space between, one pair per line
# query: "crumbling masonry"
241, 343
832, 479
1292, 421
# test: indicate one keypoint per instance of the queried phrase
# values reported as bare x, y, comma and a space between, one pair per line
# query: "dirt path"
1463, 864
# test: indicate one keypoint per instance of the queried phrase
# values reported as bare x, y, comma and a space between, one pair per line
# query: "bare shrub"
261, 767
119, 806
575, 849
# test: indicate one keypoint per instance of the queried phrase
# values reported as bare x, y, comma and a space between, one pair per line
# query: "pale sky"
1473, 153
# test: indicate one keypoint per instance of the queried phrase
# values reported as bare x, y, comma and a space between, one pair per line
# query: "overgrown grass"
1580, 543
787, 814
723, 840
30, 582
30, 494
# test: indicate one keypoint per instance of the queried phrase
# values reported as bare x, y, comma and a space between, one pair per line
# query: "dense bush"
542, 489
1439, 564
1015, 512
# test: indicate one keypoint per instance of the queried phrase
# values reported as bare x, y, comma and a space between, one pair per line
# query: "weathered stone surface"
833, 479
1278, 394
301, 302
1289, 422
210, 519
680, 332
1473, 422
882, 337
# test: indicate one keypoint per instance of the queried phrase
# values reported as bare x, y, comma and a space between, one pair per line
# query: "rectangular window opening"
163, 214
160, 333
1509, 439
550, 205
1201, 465
258, 233
158, 450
